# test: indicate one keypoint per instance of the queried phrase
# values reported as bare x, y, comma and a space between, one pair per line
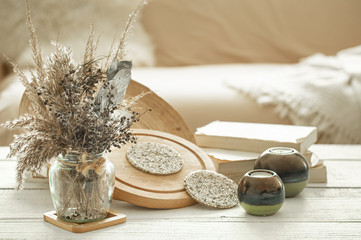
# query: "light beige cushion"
11, 91
187, 32
200, 94
69, 22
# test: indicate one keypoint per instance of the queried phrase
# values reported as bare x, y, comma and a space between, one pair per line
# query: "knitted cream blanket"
322, 91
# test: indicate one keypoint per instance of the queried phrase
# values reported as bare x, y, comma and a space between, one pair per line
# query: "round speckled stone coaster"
155, 158
211, 189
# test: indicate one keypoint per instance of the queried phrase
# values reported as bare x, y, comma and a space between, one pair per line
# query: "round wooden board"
154, 191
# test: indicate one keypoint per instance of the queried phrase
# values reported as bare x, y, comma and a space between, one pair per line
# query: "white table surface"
322, 211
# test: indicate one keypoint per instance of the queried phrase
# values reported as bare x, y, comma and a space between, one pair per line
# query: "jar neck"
75, 157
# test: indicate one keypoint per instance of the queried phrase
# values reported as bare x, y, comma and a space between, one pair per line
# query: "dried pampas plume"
75, 107
119, 54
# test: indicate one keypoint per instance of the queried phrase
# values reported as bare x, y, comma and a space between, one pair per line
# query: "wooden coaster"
155, 158
211, 189
157, 191
112, 219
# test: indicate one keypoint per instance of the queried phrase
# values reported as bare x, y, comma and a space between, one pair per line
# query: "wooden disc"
152, 191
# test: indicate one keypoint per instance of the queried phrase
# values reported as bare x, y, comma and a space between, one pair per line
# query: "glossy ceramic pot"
261, 192
289, 164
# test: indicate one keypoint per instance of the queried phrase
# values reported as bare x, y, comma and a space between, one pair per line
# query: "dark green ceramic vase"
289, 164
261, 192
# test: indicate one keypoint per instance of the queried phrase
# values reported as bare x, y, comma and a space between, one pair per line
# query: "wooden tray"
112, 219
154, 191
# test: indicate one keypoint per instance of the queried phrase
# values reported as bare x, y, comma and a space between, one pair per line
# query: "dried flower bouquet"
77, 107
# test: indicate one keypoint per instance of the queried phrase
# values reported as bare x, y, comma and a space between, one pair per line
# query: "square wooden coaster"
112, 219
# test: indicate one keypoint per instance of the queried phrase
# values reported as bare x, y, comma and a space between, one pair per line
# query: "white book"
255, 137
318, 174
232, 161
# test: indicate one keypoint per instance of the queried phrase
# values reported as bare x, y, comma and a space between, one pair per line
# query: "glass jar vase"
82, 186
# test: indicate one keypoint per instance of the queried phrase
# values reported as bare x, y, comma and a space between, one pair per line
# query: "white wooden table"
323, 211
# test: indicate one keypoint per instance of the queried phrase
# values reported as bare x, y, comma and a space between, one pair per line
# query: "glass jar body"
82, 186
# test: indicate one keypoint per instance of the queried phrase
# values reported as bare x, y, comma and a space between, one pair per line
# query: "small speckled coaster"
211, 189
155, 158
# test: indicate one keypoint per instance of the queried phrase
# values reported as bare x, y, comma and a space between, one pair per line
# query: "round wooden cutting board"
155, 191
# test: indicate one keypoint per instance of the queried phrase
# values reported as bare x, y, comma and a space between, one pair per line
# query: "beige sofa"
184, 50
200, 46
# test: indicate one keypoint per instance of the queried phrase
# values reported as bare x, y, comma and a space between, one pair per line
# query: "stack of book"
234, 146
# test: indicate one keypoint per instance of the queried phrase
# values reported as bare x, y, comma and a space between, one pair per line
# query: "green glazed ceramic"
289, 164
261, 192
